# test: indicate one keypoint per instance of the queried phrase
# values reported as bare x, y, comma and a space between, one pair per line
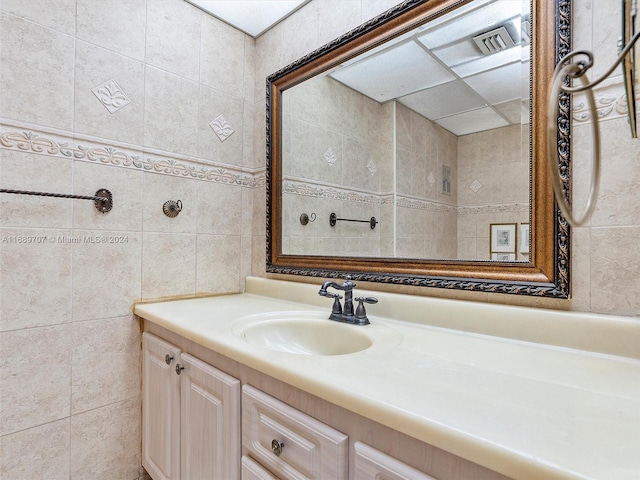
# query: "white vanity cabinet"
190, 416
289, 443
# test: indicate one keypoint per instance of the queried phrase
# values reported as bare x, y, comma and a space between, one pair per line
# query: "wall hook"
171, 208
304, 218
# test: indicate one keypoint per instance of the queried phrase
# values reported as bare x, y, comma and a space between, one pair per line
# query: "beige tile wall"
425, 217
65, 304
70, 347
490, 162
605, 257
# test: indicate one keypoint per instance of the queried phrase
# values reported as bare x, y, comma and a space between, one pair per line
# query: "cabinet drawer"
254, 471
310, 449
372, 464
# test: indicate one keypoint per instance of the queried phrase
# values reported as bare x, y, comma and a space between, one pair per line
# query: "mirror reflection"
428, 133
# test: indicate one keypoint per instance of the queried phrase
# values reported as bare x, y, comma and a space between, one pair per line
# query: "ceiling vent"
494, 41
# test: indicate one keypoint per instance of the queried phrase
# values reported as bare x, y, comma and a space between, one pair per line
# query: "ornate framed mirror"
416, 145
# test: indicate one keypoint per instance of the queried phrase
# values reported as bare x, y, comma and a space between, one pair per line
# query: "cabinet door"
160, 408
372, 464
210, 422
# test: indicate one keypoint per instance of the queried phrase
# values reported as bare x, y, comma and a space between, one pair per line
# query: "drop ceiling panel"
501, 84
460, 52
484, 63
251, 16
515, 111
443, 100
473, 121
477, 21
394, 73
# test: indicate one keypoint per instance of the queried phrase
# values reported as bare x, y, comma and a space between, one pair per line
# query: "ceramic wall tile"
36, 78
246, 260
106, 273
271, 57
605, 36
125, 186
259, 211
220, 127
39, 295
221, 44
249, 83
258, 255
615, 263
55, 14
162, 275
105, 442
105, 356
218, 264
51, 441
333, 25
219, 208
27, 171
173, 37
248, 134
301, 31
247, 211
171, 112
32, 395
109, 94
581, 269
618, 199
118, 25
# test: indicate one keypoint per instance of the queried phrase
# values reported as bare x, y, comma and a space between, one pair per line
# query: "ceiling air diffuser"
494, 41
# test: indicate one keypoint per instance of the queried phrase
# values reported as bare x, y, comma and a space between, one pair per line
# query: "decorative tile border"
500, 208
306, 188
610, 99
61, 144
312, 189
424, 204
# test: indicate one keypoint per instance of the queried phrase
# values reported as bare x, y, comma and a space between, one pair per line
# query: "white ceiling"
438, 71
253, 17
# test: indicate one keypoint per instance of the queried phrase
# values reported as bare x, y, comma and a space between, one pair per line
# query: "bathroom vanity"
262, 385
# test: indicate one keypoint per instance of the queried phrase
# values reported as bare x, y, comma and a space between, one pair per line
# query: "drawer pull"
276, 447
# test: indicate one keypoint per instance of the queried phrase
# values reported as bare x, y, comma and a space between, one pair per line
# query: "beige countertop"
527, 410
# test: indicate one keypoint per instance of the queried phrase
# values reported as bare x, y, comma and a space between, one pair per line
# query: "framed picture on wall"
524, 238
504, 257
503, 237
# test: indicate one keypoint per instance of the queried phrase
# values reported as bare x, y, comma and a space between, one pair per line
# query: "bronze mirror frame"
547, 272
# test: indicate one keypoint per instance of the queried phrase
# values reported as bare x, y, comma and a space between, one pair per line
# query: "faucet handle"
367, 300
361, 314
336, 309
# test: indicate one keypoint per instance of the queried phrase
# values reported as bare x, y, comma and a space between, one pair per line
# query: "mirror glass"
412, 150
428, 133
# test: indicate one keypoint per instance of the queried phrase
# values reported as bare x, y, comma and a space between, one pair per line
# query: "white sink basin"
307, 333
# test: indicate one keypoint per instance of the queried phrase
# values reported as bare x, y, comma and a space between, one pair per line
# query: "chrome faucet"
346, 314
